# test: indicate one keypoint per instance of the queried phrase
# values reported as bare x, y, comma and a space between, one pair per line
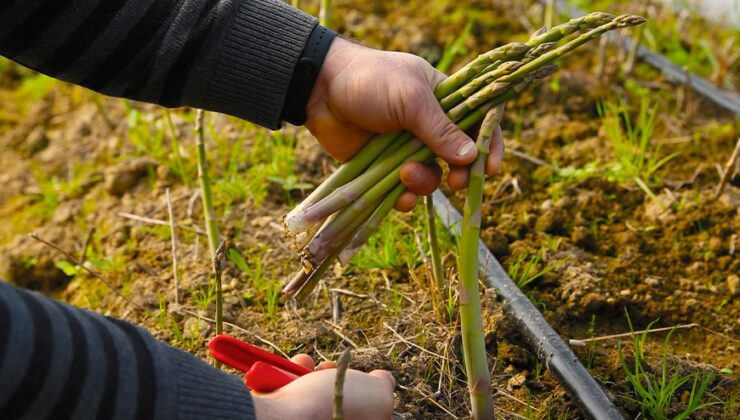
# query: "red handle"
263, 377
242, 356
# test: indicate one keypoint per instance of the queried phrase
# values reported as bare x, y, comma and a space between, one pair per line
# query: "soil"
70, 170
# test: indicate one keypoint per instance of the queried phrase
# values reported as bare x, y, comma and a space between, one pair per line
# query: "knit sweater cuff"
257, 60
206, 393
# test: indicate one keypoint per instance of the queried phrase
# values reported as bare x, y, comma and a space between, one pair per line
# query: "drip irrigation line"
670, 71
546, 343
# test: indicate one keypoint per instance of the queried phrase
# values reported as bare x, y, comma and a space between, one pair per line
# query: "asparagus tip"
625, 21
598, 18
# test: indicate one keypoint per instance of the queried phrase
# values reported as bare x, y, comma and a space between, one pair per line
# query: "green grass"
267, 296
166, 322
658, 393
635, 159
392, 246
524, 270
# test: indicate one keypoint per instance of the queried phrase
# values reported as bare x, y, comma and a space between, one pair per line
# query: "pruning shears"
264, 371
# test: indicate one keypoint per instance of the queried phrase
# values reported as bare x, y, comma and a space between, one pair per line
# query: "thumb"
430, 124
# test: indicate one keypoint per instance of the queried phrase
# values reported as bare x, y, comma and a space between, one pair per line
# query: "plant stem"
325, 13
344, 174
371, 226
349, 192
438, 278
471, 322
342, 365
550, 13
173, 243
336, 231
205, 186
216, 262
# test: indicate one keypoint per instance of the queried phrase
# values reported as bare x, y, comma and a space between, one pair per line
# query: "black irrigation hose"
670, 71
546, 343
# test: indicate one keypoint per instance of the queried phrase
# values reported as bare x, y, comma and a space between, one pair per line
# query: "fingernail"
466, 149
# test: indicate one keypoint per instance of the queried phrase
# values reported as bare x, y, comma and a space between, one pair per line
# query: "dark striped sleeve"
59, 362
230, 56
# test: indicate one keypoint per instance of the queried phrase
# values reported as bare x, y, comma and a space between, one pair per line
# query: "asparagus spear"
349, 192
335, 232
371, 226
345, 173
471, 322
619, 22
513, 50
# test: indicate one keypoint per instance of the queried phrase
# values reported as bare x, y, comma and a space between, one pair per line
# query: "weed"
656, 393
524, 271
204, 296
167, 323
592, 344
396, 302
636, 159
392, 243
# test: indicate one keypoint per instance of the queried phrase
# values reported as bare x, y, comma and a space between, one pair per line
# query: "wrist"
305, 74
337, 58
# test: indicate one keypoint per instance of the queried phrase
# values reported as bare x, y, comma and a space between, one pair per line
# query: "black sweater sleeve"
57, 362
230, 56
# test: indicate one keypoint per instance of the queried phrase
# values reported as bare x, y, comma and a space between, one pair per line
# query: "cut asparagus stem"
349, 192
307, 286
471, 322
371, 226
346, 172
332, 234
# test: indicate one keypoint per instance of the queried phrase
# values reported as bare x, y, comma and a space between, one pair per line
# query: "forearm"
57, 361
230, 56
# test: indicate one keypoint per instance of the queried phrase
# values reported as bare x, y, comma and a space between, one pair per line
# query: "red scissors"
264, 371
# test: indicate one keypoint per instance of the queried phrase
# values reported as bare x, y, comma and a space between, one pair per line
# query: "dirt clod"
125, 175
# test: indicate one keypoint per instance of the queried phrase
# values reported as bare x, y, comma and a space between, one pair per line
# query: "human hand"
361, 91
366, 395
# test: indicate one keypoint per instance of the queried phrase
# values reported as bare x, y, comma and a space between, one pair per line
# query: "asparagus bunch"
339, 216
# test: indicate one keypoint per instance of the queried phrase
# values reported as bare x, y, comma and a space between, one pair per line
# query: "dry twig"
583, 342
729, 169
342, 365
173, 241
152, 221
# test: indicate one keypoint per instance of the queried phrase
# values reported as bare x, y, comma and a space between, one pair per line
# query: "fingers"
303, 359
457, 179
421, 179
406, 202
424, 116
326, 365
385, 376
495, 158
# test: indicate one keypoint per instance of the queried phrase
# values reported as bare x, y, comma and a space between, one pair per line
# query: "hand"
361, 91
366, 395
